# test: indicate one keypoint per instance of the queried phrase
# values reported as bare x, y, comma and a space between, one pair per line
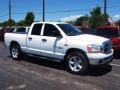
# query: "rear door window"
36, 29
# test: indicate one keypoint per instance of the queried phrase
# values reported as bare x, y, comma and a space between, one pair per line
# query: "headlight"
94, 49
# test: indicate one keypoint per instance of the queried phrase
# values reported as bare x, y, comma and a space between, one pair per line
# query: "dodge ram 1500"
61, 42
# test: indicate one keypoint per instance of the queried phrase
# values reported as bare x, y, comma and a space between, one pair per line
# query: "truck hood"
90, 39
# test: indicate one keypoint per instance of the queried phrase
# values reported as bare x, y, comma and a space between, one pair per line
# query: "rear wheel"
77, 63
15, 52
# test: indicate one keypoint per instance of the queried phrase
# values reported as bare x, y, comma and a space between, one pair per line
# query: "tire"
15, 52
77, 63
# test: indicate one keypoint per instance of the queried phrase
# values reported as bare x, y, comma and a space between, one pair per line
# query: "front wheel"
15, 52
77, 63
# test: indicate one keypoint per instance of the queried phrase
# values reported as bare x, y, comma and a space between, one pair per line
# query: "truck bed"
18, 37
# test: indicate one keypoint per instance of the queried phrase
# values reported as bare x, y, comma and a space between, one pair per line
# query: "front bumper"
99, 58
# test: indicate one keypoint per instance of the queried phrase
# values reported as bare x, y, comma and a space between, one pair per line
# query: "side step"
46, 58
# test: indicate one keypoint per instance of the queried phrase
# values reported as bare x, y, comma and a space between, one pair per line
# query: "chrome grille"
107, 46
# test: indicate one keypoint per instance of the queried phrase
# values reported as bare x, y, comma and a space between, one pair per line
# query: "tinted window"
51, 30
70, 30
36, 29
107, 32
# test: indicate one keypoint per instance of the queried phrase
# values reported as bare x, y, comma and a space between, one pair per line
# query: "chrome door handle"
44, 40
30, 38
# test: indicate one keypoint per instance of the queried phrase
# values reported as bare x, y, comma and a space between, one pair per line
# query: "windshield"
70, 30
107, 32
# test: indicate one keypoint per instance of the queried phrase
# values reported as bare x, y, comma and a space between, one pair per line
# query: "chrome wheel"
75, 63
14, 52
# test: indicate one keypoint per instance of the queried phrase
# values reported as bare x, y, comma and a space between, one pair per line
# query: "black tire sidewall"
84, 62
19, 52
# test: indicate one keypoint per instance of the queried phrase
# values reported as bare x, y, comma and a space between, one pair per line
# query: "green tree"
0, 24
21, 23
13, 23
80, 20
105, 17
5, 23
29, 19
71, 22
118, 22
96, 19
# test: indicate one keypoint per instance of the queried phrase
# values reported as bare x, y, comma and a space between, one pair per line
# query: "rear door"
33, 39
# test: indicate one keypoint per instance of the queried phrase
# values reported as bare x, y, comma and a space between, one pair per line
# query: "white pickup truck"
61, 42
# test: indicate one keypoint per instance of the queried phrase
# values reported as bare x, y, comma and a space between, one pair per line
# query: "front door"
51, 45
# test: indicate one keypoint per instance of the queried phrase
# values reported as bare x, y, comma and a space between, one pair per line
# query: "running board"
46, 58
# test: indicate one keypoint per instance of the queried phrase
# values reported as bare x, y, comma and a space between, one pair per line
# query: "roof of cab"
52, 22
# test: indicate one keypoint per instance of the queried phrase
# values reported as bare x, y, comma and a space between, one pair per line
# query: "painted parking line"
115, 65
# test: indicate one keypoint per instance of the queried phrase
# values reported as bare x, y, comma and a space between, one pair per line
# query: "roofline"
52, 22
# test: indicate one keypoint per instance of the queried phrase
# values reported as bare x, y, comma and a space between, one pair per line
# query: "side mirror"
57, 34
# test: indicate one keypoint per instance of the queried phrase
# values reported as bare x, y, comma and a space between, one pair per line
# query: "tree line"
95, 19
29, 19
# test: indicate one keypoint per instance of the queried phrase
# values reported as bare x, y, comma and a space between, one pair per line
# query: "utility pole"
10, 13
105, 7
43, 10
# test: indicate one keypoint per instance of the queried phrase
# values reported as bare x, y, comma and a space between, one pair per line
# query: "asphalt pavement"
38, 74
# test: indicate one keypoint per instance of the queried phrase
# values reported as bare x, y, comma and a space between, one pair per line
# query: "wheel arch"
14, 42
15, 45
74, 50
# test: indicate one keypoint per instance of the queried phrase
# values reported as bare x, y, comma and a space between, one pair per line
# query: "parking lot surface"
38, 74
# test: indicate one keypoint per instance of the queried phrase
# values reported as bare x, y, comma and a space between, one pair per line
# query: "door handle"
44, 40
30, 38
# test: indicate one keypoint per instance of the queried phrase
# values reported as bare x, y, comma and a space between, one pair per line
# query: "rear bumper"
99, 58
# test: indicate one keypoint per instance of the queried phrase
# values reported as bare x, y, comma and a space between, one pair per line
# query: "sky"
57, 10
